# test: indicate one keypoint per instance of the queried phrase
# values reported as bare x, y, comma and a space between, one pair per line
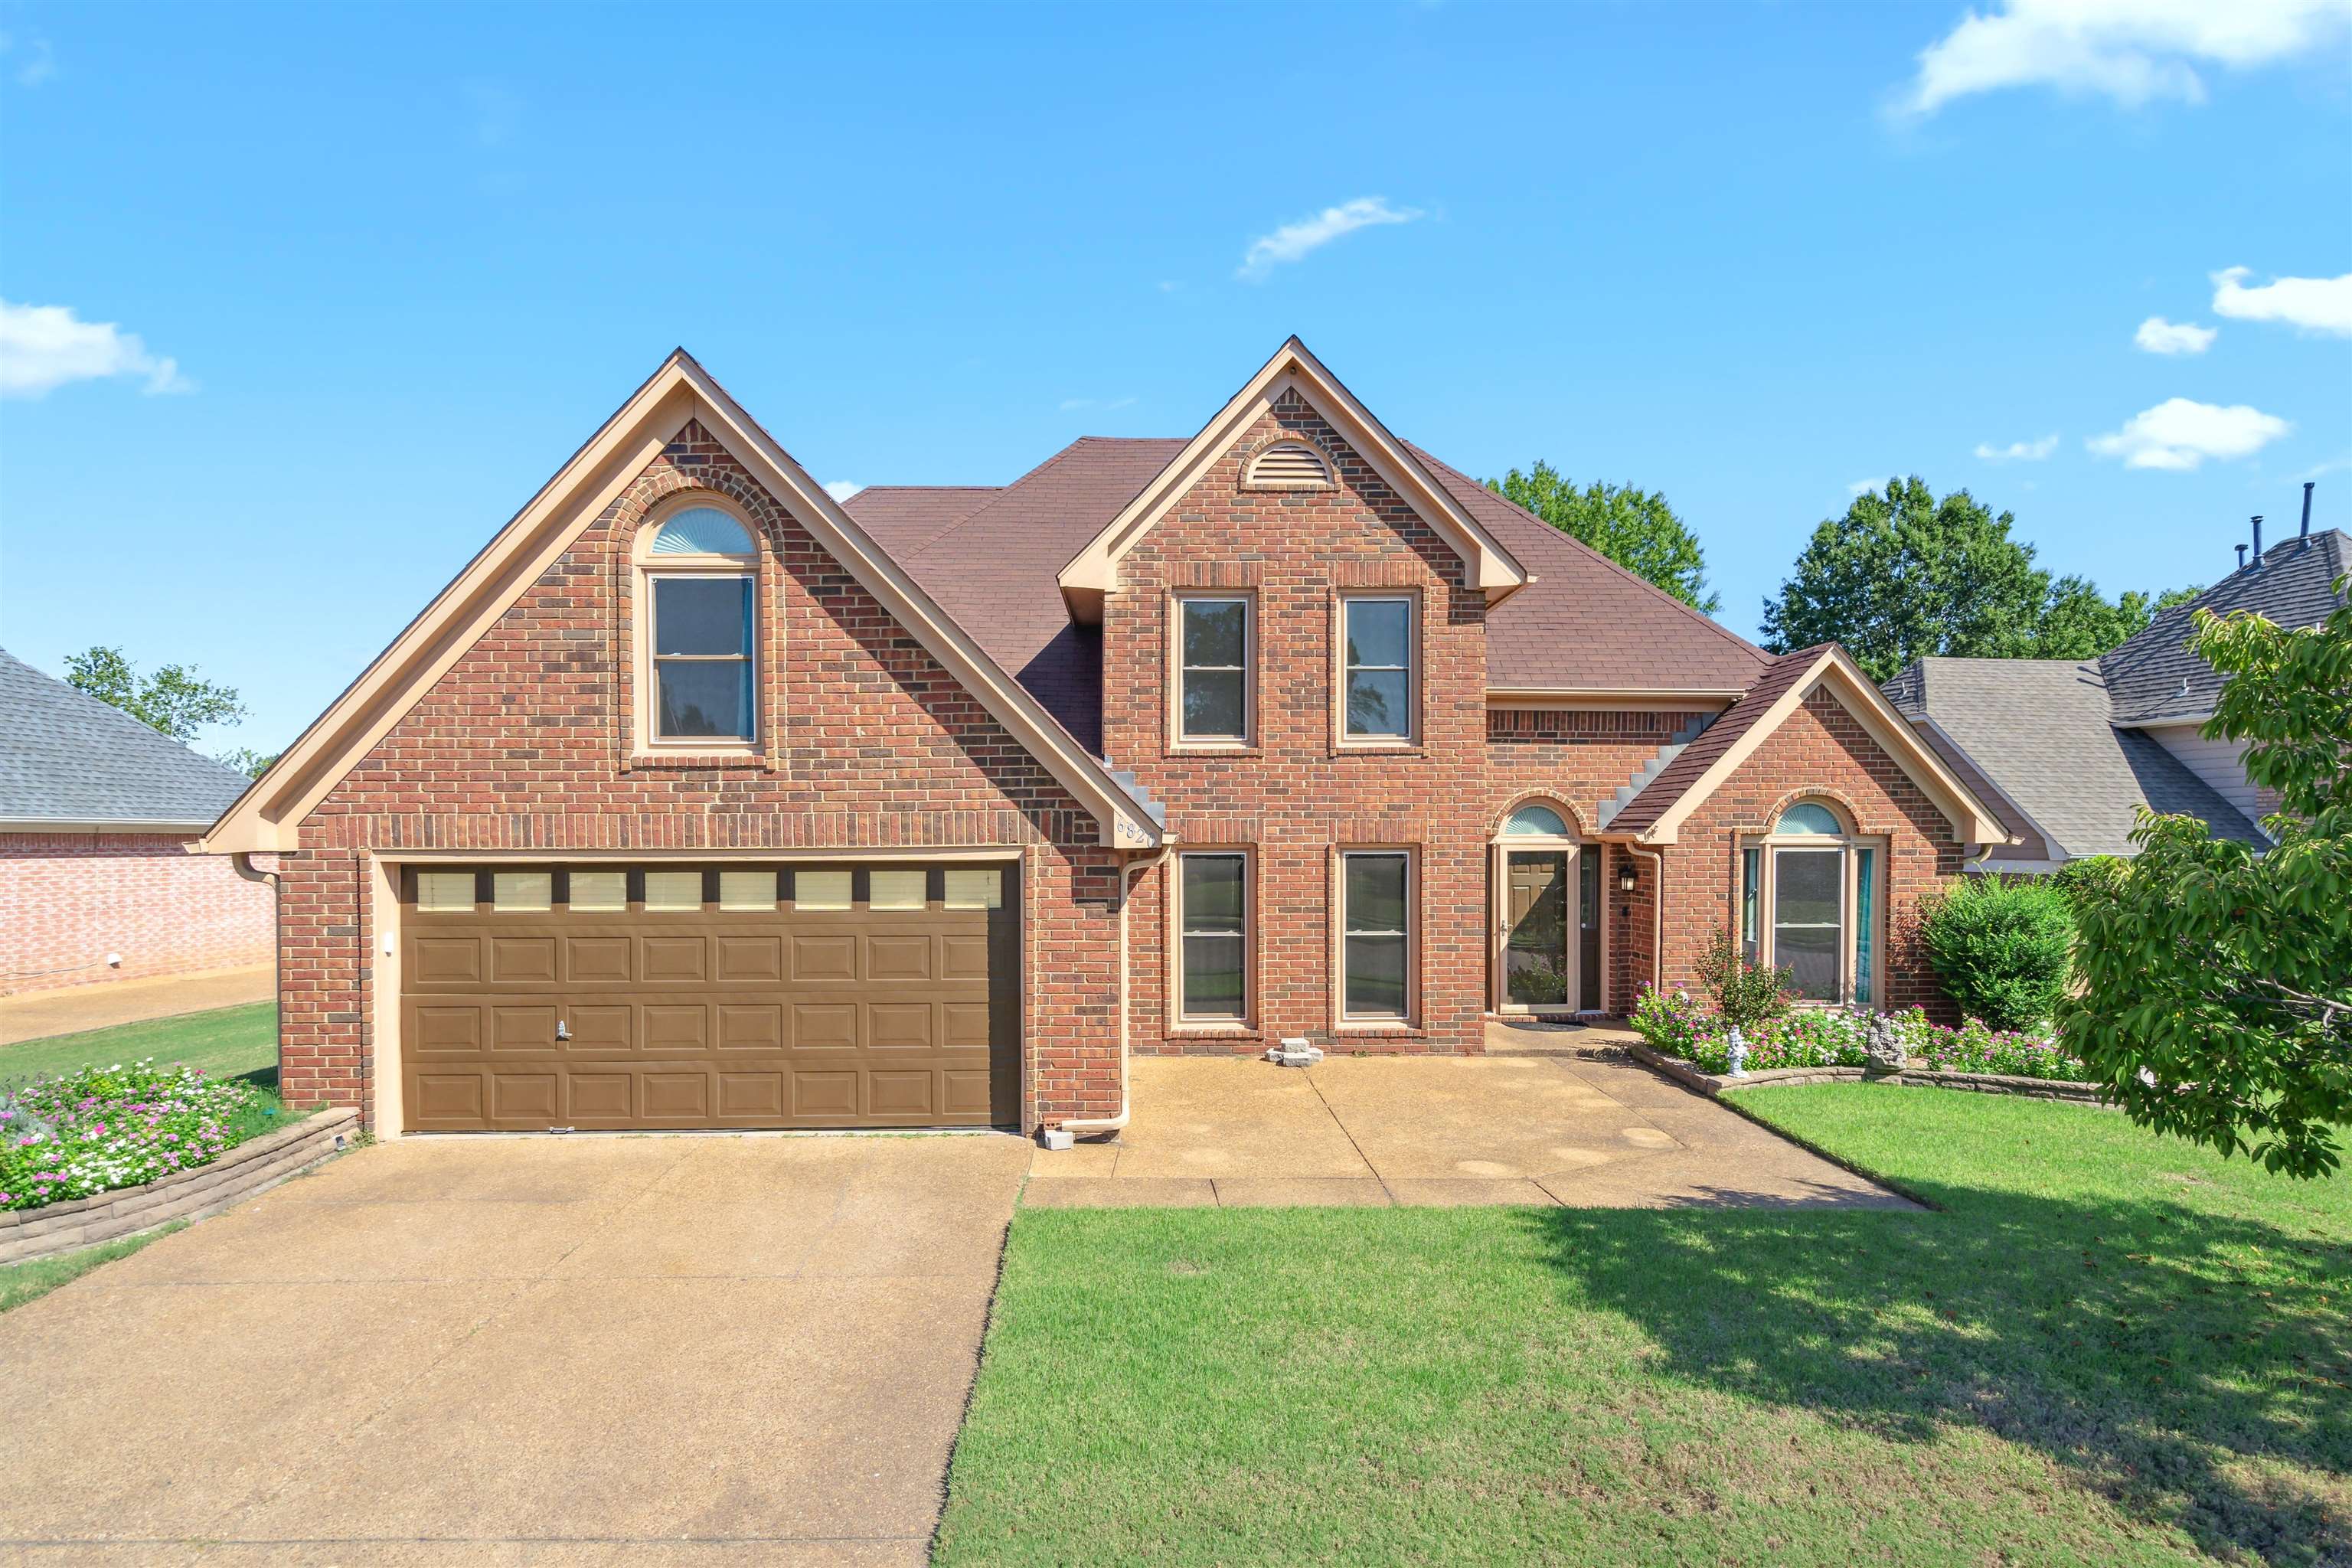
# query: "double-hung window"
1377, 669
1213, 659
1375, 936
1212, 917
699, 601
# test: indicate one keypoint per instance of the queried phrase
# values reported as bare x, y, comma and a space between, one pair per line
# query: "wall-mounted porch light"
1625, 880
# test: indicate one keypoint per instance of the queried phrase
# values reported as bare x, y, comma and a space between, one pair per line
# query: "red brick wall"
67, 900
1297, 794
524, 746
1821, 751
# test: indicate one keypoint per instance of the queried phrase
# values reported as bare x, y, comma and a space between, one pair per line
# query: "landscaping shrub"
1747, 995
1976, 1046
2002, 948
102, 1127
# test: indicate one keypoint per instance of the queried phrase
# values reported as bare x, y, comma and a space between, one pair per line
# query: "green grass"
228, 1042
23, 1282
2103, 1348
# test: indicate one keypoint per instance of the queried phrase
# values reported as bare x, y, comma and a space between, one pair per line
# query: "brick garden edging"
1709, 1083
263, 1162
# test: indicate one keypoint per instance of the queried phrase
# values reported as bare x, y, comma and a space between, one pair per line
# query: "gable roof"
1093, 571
2155, 678
66, 757
1584, 623
679, 390
992, 564
2040, 730
1654, 815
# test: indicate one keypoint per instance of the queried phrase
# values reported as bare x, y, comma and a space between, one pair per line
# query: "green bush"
2004, 950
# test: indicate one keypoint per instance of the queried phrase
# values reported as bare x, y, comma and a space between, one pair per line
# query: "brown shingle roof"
992, 558
1675, 779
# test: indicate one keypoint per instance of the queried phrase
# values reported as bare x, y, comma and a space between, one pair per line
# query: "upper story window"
1809, 904
1380, 680
1288, 466
697, 604
1213, 659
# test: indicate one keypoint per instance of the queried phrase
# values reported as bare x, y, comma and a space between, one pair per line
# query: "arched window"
1289, 466
1535, 818
1809, 904
697, 617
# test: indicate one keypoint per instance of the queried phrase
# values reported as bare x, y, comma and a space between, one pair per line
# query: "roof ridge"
1634, 577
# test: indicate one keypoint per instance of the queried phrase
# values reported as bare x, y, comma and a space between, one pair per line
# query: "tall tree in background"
1904, 575
172, 700
1636, 529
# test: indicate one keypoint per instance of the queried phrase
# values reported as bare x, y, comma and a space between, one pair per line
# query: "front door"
1536, 928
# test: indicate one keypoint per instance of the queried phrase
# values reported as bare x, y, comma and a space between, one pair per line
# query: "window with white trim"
1375, 935
1212, 946
1212, 670
699, 604
1809, 902
1378, 674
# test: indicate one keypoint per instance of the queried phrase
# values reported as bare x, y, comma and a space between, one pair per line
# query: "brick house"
96, 813
700, 799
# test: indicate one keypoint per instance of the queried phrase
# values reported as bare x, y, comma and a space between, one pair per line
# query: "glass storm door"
1535, 914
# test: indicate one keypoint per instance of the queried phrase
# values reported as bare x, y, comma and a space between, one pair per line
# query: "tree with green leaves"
174, 699
1904, 575
1635, 528
2216, 994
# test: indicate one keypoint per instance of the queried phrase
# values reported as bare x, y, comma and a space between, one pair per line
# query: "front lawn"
228, 1042
2106, 1348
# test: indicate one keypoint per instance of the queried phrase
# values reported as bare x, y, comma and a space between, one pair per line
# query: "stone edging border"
238, 1174
1709, 1083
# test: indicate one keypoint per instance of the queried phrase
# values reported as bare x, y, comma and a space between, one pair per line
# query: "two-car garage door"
811, 995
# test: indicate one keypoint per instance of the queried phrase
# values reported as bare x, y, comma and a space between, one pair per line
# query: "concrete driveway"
706, 1350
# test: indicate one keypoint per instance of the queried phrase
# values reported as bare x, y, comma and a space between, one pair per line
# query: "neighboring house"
700, 799
96, 812
2066, 751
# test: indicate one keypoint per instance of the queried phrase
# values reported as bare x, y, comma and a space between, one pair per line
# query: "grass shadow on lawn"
2192, 1367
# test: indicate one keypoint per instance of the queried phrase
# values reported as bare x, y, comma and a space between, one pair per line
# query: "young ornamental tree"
2217, 996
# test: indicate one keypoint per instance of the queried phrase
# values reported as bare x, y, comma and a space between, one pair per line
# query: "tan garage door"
670, 996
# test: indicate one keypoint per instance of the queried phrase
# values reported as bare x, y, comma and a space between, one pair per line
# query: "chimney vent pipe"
2306, 535
2242, 558
2258, 541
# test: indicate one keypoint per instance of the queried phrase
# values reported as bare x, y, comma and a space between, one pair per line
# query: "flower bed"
102, 1127
1679, 1025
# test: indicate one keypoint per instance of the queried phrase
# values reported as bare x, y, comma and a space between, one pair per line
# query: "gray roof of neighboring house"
2040, 730
64, 756
2154, 675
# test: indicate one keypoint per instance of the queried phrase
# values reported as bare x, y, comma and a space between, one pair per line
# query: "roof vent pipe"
2306, 535
2258, 541
2242, 558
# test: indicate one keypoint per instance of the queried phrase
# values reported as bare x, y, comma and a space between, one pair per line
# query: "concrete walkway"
1558, 1122
641, 1350
70, 1009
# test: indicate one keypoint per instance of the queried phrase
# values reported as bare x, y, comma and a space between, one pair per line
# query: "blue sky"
304, 302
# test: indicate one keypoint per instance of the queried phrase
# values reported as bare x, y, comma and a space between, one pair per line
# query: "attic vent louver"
1289, 466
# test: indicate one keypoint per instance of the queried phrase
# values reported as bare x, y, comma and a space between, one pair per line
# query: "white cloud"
2314, 304
2158, 336
1293, 241
2178, 434
2133, 51
841, 489
43, 347
2019, 451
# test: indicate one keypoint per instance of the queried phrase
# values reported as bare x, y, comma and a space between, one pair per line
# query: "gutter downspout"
241, 862
1657, 858
1126, 896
